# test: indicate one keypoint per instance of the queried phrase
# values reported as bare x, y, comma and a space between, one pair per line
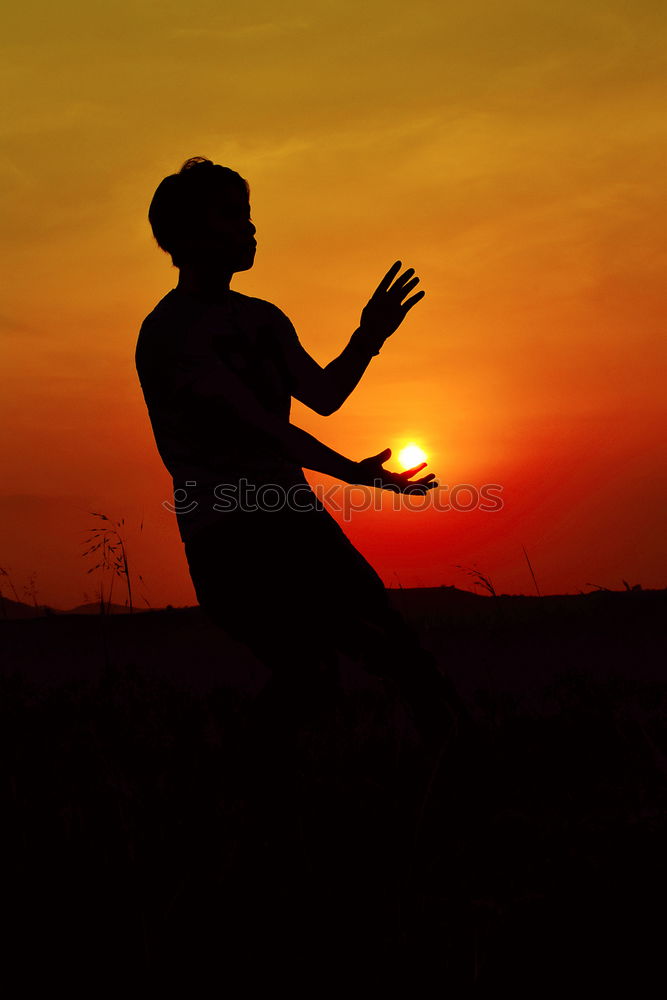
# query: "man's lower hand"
369, 472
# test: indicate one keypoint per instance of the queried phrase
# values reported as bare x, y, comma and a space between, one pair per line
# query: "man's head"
201, 216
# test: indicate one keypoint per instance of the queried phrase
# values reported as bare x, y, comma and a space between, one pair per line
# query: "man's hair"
179, 206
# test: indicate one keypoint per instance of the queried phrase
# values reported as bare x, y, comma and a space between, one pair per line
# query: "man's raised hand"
386, 309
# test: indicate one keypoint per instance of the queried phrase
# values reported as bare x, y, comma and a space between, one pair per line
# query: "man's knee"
383, 642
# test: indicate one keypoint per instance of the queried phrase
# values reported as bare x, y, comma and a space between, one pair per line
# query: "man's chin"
245, 264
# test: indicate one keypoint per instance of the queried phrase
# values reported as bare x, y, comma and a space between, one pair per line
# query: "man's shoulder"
262, 308
166, 323
167, 312
265, 313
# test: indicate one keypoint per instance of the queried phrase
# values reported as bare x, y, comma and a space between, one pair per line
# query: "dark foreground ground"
157, 836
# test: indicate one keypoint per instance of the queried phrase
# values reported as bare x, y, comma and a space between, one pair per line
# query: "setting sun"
411, 455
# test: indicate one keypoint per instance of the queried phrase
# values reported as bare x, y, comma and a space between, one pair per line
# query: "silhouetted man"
218, 369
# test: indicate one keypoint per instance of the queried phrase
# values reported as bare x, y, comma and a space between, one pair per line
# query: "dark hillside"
157, 829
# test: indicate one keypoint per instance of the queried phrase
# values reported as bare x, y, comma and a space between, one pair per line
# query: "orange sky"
513, 153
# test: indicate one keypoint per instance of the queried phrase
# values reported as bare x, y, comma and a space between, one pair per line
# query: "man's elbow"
325, 407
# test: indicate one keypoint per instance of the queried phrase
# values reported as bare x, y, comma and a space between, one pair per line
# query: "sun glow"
411, 455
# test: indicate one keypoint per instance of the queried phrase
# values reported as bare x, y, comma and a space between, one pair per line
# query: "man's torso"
202, 443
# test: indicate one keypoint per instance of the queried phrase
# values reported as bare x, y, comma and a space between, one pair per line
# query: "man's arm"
217, 381
326, 389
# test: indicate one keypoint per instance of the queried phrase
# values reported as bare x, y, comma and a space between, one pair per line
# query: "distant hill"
19, 609
431, 605
426, 599
421, 603
93, 608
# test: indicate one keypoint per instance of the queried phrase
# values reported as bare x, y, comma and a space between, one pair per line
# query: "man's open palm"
371, 473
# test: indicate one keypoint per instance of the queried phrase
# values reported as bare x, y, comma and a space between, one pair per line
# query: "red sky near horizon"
512, 153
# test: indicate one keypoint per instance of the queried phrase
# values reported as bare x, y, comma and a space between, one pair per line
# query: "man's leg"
390, 648
304, 680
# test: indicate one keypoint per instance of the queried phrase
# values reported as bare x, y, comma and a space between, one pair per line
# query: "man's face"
229, 243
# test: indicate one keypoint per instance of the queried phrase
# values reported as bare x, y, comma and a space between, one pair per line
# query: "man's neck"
209, 286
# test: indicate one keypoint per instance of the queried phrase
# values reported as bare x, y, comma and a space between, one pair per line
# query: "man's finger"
406, 306
403, 280
411, 472
420, 486
388, 278
407, 287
